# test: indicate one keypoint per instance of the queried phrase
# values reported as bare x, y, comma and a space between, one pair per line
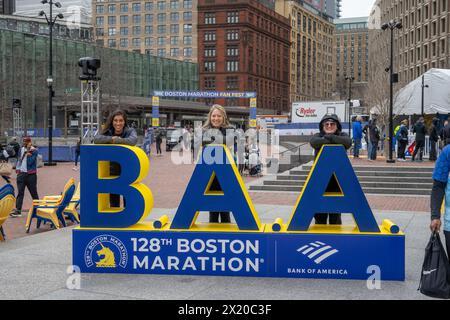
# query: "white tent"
436, 96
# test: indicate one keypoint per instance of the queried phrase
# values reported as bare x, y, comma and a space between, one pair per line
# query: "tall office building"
244, 46
162, 28
7, 6
421, 44
311, 52
352, 55
333, 8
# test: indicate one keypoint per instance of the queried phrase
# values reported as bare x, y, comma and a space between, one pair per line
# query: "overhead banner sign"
204, 94
121, 240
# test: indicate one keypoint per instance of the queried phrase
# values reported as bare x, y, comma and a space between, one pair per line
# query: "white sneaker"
75, 169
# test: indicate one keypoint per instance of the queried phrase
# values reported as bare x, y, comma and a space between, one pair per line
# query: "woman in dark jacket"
330, 133
434, 137
217, 126
116, 132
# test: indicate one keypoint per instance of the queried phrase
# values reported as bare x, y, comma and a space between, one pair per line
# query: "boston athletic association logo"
106, 251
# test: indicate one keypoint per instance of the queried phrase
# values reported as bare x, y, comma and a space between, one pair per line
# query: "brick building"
244, 46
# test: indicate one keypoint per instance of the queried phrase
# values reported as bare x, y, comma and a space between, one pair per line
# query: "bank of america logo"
318, 251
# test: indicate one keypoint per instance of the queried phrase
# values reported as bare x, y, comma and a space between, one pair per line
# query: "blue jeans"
373, 151
356, 147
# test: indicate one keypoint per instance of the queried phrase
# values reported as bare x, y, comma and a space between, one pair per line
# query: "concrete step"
396, 191
367, 178
404, 185
375, 173
385, 168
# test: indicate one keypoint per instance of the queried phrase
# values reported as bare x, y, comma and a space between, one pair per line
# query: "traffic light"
89, 68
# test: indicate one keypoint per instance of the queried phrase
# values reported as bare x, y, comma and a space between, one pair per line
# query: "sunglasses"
329, 124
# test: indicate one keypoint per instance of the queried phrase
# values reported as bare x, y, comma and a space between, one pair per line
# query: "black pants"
433, 155
77, 156
334, 218
158, 148
401, 149
29, 181
419, 148
224, 217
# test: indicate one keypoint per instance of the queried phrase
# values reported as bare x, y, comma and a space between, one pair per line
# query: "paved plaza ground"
34, 266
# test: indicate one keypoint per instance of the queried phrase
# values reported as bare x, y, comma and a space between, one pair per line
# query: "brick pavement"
168, 182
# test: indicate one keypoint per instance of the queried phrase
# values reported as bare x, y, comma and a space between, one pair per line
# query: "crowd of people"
371, 133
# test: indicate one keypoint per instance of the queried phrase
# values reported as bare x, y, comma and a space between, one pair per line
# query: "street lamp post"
393, 78
423, 94
349, 102
50, 22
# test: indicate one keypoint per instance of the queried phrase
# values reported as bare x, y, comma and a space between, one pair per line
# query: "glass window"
148, 6
174, 40
187, 28
174, 52
124, 7
161, 41
187, 40
148, 29
99, 21
124, 43
98, 32
174, 28
137, 19
161, 29
161, 52
174, 16
136, 30
210, 52
136, 42
123, 19
111, 31
232, 51
161, 17
148, 18
233, 35
112, 8
100, 9
187, 4
149, 51
136, 7
187, 16
174, 4
233, 17
232, 66
149, 42
161, 5
112, 20
209, 66
112, 43
123, 31
187, 52
210, 36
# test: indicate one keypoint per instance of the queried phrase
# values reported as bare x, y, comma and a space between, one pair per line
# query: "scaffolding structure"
18, 128
90, 110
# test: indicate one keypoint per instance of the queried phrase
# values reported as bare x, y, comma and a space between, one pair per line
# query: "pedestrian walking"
420, 131
116, 132
402, 139
330, 133
26, 169
374, 139
77, 154
445, 133
158, 141
434, 138
357, 136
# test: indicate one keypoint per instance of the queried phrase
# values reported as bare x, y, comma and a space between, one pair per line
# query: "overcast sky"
356, 8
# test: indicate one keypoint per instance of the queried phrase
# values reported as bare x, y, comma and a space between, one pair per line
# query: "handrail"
294, 148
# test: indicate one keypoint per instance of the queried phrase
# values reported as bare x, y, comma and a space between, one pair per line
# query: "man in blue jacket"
357, 136
26, 169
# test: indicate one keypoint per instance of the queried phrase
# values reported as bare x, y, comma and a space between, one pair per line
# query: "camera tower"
90, 99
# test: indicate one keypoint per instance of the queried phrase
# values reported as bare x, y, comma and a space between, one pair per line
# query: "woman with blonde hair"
216, 126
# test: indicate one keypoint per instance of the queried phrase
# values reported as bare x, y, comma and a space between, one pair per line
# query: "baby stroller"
253, 162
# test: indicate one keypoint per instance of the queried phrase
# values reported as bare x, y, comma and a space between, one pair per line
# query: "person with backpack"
445, 133
402, 139
420, 131
374, 139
